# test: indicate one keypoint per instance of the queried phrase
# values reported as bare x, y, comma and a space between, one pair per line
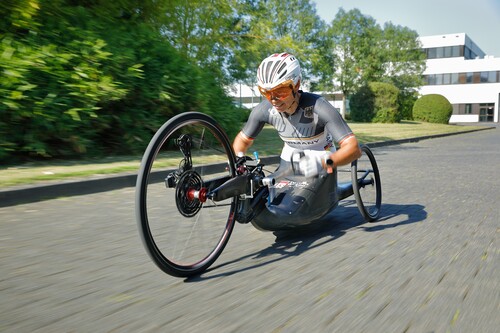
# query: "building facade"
460, 71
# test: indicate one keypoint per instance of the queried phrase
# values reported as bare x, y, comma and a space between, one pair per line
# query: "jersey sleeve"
334, 123
257, 119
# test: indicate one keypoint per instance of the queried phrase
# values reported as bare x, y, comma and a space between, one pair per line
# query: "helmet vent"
283, 66
267, 75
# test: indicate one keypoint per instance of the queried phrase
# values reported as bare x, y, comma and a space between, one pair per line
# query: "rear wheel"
366, 185
182, 230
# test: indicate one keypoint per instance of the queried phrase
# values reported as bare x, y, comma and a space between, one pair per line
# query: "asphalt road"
431, 264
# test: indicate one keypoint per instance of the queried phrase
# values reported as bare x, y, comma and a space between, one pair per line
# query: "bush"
376, 102
361, 105
78, 86
432, 108
406, 100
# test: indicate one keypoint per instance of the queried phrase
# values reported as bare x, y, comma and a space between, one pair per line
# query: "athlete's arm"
252, 128
348, 151
241, 143
348, 144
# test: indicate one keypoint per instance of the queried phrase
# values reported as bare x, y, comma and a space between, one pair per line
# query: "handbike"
191, 189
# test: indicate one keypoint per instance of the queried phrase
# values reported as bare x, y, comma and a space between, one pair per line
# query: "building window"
447, 78
431, 79
484, 77
492, 76
463, 78
431, 53
439, 79
469, 54
445, 52
476, 77
468, 109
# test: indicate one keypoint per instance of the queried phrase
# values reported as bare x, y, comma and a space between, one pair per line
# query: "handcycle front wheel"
182, 230
366, 185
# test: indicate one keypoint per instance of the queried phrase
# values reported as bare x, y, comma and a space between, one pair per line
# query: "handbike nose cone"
268, 181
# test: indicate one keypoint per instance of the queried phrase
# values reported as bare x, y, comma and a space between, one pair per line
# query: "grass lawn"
268, 143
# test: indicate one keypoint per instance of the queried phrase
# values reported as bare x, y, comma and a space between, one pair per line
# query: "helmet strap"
295, 95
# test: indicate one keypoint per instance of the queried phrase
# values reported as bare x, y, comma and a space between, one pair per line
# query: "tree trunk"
344, 104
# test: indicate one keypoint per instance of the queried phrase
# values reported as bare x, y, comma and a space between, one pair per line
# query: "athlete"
305, 122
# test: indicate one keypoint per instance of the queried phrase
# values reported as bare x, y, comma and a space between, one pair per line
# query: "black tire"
184, 236
366, 185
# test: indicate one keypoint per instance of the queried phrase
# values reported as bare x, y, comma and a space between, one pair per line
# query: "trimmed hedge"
433, 108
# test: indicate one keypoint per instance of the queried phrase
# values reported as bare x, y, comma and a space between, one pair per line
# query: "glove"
311, 166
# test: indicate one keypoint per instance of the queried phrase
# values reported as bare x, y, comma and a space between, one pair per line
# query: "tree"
403, 61
203, 30
275, 26
403, 64
355, 38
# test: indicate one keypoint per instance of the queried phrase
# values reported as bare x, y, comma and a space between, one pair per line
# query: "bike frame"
250, 186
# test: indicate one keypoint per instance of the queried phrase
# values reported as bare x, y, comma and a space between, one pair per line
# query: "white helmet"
278, 68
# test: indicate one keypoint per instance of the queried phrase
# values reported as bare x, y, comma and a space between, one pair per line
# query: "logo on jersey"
299, 142
329, 142
308, 112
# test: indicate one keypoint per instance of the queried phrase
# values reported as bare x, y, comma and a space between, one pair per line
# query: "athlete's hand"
310, 166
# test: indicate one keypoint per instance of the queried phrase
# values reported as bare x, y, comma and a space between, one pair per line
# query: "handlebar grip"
268, 181
330, 165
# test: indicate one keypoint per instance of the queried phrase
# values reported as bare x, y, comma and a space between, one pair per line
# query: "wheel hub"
190, 193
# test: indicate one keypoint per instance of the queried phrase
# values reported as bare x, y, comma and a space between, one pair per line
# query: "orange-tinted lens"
280, 93
277, 93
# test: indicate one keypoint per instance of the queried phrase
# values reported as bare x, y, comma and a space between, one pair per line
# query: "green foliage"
376, 102
403, 61
362, 105
50, 95
274, 26
386, 102
354, 36
406, 99
86, 80
432, 108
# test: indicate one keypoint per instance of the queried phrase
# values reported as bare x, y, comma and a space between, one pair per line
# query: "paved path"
432, 264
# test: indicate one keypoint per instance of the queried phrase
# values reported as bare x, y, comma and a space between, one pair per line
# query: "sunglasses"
279, 92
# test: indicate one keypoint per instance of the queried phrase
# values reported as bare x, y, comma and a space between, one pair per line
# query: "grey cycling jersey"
312, 126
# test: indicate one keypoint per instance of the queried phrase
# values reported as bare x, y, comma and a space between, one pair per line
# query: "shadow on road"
294, 242
414, 213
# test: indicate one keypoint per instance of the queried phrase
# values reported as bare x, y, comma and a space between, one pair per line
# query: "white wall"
464, 118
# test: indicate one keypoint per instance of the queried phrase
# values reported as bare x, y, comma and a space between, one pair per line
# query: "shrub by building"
432, 108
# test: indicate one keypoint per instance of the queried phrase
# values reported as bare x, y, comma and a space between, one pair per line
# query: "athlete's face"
284, 104
284, 98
